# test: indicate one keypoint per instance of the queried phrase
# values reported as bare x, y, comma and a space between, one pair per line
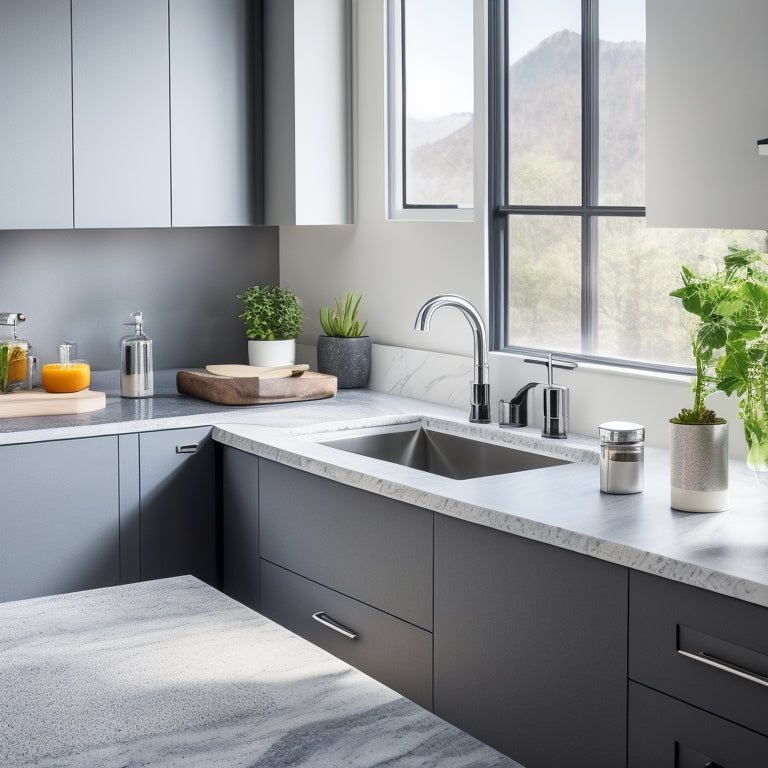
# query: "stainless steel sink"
454, 456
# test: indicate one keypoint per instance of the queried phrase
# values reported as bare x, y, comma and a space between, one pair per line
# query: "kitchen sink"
455, 456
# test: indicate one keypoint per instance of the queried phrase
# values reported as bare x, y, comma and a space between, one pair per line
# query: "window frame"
397, 207
588, 211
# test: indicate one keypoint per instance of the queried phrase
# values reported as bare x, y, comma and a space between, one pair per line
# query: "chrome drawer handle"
188, 448
725, 666
327, 621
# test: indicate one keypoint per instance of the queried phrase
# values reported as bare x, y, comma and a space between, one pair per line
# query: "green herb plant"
702, 297
341, 320
271, 313
731, 344
744, 365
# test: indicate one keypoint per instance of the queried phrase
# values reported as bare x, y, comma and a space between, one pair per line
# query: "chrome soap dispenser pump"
555, 398
136, 368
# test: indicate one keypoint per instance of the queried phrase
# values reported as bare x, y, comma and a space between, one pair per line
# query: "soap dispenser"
136, 368
555, 398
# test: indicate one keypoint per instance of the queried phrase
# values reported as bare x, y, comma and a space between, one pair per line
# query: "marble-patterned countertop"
173, 673
725, 552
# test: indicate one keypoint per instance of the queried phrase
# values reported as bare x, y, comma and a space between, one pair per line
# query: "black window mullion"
498, 174
590, 142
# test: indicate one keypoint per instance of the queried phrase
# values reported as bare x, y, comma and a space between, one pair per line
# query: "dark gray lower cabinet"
698, 662
530, 647
178, 528
388, 649
240, 526
667, 733
339, 561
59, 517
700, 647
374, 549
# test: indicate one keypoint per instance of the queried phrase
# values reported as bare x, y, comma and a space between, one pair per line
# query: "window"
431, 108
574, 269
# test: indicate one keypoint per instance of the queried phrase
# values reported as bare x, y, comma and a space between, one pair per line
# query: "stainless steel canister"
621, 457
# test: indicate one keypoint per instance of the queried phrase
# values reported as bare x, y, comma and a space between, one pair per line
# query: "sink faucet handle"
515, 412
555, 362
555, 398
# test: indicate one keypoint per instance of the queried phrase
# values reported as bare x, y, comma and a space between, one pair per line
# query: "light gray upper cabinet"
130, 114
121, 113
215, 113
707, 106
35, 115
307, 112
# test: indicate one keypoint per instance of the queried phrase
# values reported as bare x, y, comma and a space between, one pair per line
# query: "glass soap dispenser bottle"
136, 368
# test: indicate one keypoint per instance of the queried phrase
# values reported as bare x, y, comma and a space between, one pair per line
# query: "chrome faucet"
480, 406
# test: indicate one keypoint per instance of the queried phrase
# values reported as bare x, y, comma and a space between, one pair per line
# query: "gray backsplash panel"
83, 284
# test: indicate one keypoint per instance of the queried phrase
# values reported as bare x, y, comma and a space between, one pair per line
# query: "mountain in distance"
545, 120
432, 130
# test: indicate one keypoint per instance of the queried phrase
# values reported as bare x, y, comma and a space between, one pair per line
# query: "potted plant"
273, 320
698, 438
344, 352
744, 364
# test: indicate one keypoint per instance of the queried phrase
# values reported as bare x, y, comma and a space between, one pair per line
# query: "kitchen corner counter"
173, 673
725, 552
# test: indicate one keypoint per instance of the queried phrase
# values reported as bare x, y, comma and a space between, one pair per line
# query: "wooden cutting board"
239, 390
248, 371
38, 402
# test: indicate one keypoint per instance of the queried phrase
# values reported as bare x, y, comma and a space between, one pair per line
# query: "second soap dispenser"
136, 367
555, 398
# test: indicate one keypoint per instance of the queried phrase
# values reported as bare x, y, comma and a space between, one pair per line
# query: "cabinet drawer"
389, 650
707, 649
369, 547
666, 733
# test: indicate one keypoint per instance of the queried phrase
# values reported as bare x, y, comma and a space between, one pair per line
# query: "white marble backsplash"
432, 376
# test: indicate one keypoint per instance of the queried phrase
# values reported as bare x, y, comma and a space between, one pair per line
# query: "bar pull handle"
725, 666
188, 448
327, 621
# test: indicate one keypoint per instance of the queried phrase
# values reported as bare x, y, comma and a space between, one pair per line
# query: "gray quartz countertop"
173, 673
725, 552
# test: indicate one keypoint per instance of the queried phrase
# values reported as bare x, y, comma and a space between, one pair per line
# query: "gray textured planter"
348, 359
698, 455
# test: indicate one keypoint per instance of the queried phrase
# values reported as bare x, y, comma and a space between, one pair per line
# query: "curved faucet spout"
480, 409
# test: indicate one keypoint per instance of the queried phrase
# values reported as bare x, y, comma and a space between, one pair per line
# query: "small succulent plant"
341, 320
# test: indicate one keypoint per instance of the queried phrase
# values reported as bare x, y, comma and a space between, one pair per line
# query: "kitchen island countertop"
173, 673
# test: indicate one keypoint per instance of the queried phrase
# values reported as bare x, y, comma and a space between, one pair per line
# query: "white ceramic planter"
279, 352
698, 455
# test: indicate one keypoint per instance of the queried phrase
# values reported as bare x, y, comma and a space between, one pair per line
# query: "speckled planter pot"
348, 359
698, 456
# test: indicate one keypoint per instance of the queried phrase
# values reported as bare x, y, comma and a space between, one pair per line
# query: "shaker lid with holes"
621, 432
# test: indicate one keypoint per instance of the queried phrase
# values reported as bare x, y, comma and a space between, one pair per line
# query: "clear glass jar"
13, 364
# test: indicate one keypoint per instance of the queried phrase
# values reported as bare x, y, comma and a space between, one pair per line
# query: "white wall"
397, 265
